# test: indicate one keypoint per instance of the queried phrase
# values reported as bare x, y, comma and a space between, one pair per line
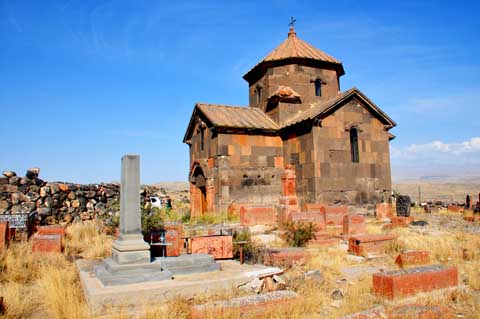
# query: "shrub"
152, 219
298, 234
252, 253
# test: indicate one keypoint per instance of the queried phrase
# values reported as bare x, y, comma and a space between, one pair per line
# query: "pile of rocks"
55, 201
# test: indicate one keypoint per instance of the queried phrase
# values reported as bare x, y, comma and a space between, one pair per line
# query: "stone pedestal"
130, 262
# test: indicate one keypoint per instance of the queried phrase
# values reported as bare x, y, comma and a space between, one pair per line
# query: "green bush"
152, 220
298, 234
252, 253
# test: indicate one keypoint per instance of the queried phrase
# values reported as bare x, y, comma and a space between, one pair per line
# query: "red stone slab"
4, 235
354, 225
220, 247
401, 283
413, 258
248, 306
374, 313
317, 218
258, 215
383, 210
334, 215
420, 312
47, 243
284, 256
363, 245
455, 208
51, 230
315, 207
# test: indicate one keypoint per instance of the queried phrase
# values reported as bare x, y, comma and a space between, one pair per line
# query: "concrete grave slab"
101, 298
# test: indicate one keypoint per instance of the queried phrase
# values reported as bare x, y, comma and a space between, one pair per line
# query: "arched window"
354, 145
318, 87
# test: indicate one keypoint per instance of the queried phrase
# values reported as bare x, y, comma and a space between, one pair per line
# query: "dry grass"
88, 240
47, 286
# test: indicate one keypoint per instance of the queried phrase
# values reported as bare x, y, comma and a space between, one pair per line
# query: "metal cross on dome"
292, 22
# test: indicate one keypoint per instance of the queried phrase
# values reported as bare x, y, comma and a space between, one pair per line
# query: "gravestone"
130, 262
403, 205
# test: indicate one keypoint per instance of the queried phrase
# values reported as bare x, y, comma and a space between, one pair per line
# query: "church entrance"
199, 192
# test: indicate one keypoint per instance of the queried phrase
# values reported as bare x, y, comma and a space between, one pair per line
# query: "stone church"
336, 141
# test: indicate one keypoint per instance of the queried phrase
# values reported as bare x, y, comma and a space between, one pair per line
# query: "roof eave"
257, 69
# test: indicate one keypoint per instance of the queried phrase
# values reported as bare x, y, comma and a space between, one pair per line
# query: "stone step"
188, 264
130, 276
186, 260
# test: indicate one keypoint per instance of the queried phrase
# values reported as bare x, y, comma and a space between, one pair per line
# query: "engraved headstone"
403, 205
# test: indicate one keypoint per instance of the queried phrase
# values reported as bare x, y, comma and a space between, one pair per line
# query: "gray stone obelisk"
130, 262
130, 247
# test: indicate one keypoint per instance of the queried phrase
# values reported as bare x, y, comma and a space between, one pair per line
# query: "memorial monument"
130, 262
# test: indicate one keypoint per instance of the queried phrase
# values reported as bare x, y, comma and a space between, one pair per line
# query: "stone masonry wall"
301, 79
250, 173
337, 178
58, 202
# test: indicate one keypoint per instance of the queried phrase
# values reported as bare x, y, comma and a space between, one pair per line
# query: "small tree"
298, 234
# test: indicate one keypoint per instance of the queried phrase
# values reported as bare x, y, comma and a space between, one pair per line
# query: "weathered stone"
220, 247
7, 188
413, 258
33, 196
51, 230
367, 245
5, 204
109, 192
258, 215
403, 205
48, 201
32, 173
421, 312
55, 188
71, 195
44, 191
9, 174
4, 235
38, 182
44, 211
400, 283
285, 256
354, 225
14, 180
47, 243
3, 180
246, 306
374, 313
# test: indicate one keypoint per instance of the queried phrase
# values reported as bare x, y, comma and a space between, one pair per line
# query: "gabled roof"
328, 106
295, 48
227, 116
252, 118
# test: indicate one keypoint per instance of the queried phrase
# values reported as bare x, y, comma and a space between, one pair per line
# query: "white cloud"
435, 149
437, 158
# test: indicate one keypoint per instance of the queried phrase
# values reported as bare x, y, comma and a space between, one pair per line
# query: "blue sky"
84, 82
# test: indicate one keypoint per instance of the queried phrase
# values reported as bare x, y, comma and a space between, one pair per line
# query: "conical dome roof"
295, 48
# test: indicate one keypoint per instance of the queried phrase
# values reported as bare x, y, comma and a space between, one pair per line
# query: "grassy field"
47, 286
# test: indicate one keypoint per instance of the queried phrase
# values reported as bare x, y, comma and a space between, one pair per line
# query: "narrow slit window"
354, 145
259, 95
202, 139
318, 87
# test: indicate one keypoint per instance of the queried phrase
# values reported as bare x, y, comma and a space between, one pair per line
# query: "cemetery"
287, 211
